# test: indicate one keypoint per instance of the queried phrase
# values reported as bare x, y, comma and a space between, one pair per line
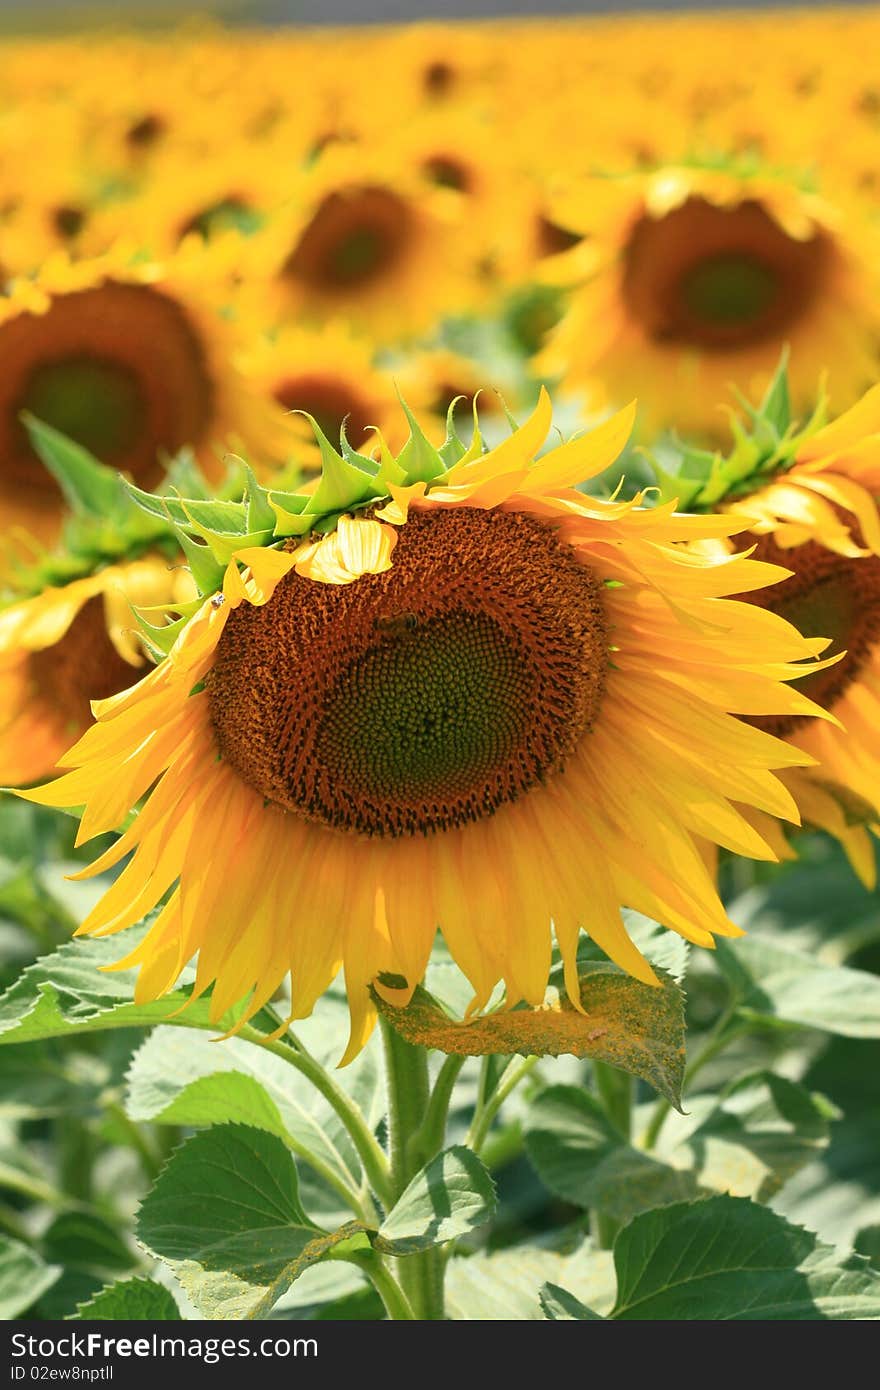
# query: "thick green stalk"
149, 1158
615, 1089
429, 1138
397, 1305
616, 1094
409, 1096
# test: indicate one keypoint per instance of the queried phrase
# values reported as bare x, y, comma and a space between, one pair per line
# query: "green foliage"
23, 1277
748, 1141
451, 1196
132, 1300
753, 1137
766, 439
103, 523
726, 1259
775, 984
225, 1214
85, 1239
71, 991
282, 1204
506, 1284
178, 1079
580, 1155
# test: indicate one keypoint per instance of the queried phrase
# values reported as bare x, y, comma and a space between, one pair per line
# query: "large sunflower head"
694, 277
441, 688
134, 362
810, 500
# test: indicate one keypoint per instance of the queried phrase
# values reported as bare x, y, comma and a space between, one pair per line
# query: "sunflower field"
440, 673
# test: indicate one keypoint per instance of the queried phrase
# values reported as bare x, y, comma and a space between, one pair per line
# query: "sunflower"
130, 359
185, 197
480, 700
46, 197
365, 239
693, 277
438, 64
461, 149
66, 646
820, 520
329, 374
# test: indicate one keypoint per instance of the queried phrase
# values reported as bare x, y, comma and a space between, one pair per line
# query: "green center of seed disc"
98, 404
430, 710
729, 289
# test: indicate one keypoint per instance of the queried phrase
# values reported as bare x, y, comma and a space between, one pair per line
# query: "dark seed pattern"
421, 699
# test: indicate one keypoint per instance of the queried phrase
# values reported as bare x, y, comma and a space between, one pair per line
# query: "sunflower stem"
487, 1109
615, 1090
616, 1094
397, 1305
369, 1150
429, 1137
409, 1098
151, 1163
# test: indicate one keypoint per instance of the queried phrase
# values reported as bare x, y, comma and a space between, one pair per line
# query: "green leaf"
759, 1132
216, 517
506, 1285
260, 516
820, 908
85, 1240
225, 1214
67, 992
132, 1300
839, 1193
189, 1080
452, 1195
88, 486
289, 522
223, 544
632, 1026
168, 508
747, 1142
725, 1258
580, 1156
867, 1243
38, 1080
776, 984
23, 1277
560, 1305
320, 1288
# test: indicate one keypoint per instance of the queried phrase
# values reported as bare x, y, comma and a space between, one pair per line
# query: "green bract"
250, 513
766, 442
103, 524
